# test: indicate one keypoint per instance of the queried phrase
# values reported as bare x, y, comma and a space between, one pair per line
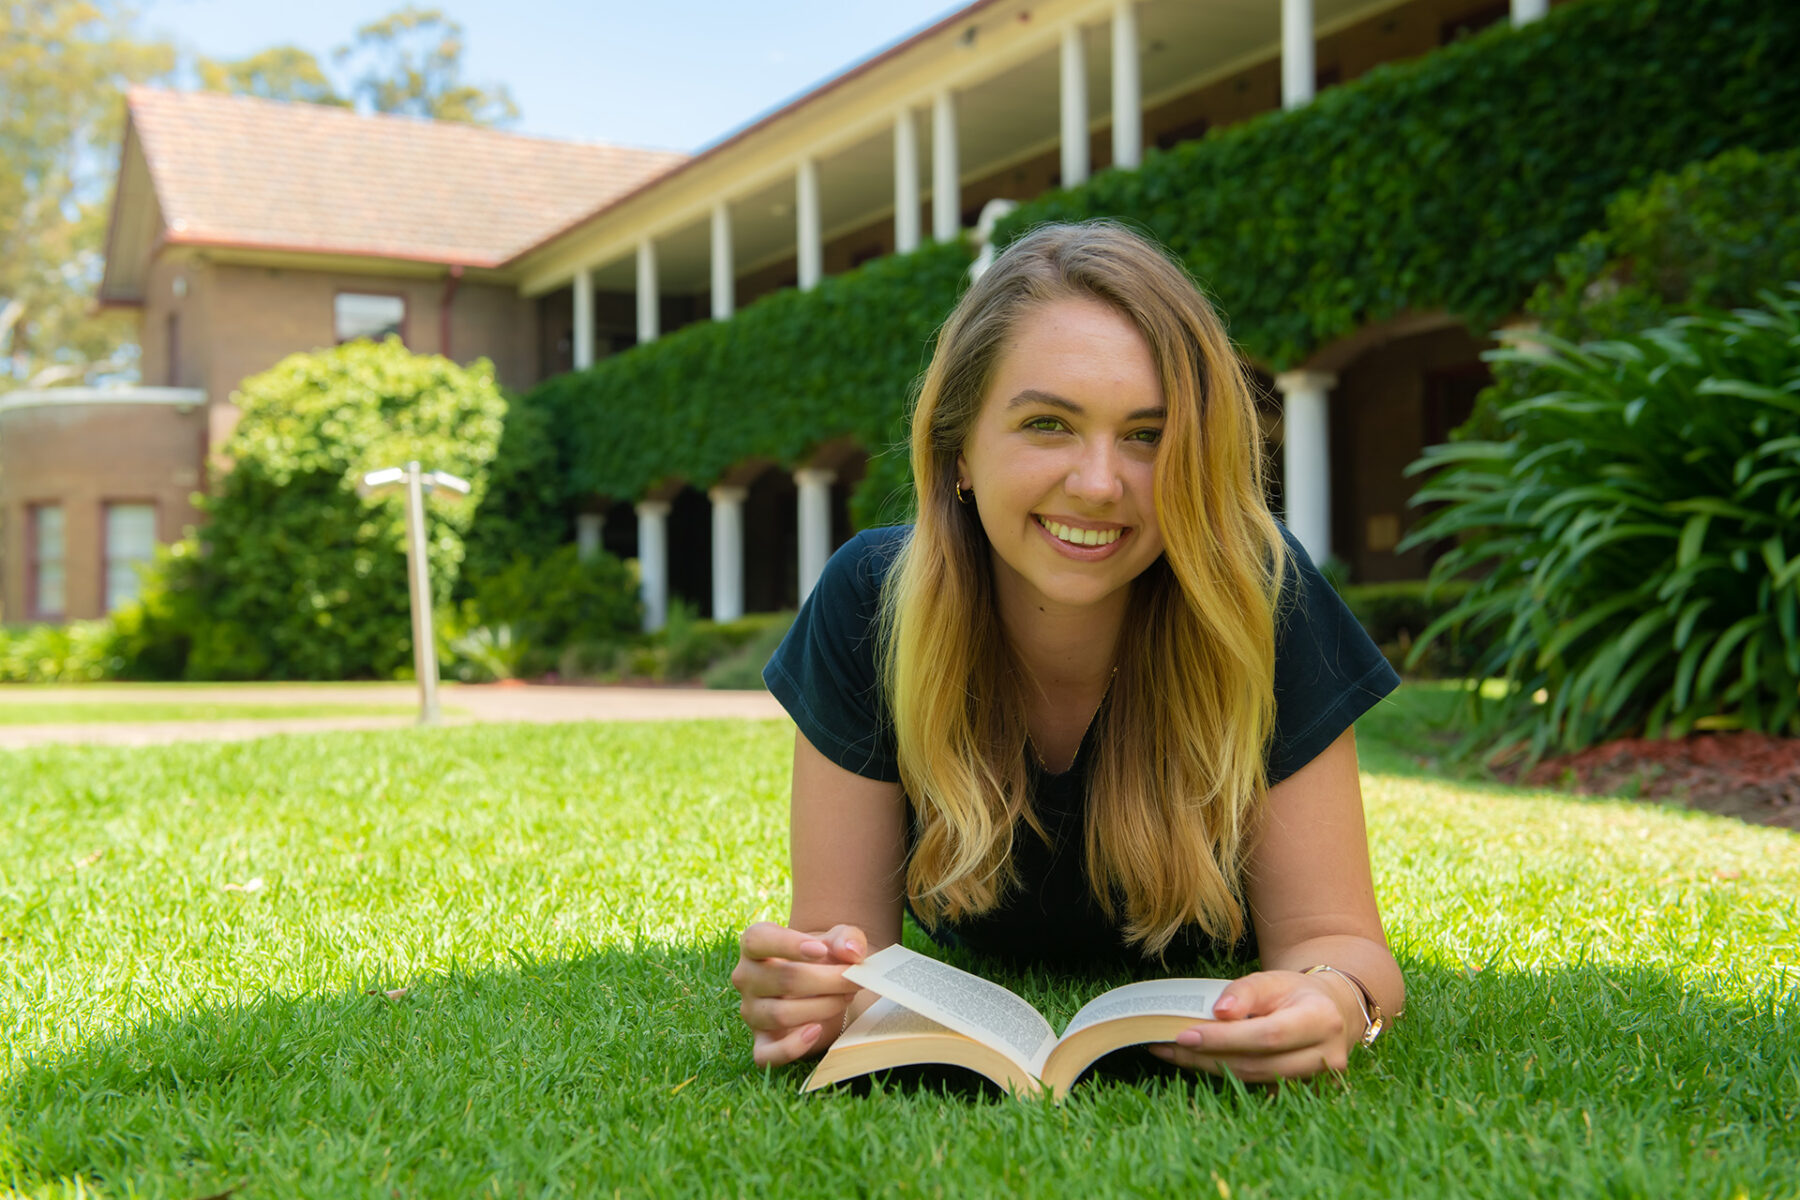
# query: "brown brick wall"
82, 456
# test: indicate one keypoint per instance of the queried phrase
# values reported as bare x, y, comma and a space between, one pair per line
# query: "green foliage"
783, 376
1637, 538
559, 599
1451, 181
293, 575
410, 62
1711, 235
1395, 614
742, 668
62, 68
529, 506
80, 652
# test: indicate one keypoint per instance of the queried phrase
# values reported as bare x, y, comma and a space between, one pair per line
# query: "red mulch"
1751, 776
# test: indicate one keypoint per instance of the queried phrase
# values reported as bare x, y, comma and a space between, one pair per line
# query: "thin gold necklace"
1038, 754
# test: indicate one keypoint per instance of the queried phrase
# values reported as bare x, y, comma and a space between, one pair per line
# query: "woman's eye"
1148, 437
1044, 424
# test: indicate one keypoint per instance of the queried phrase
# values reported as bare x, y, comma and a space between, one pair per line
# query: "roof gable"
246, 172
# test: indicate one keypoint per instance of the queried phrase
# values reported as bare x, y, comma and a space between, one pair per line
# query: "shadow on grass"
628, 1066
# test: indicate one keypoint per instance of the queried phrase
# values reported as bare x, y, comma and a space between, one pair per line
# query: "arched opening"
690, 550
1391, 401
771, 543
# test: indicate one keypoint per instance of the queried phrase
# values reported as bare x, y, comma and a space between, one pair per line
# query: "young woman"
1095, 702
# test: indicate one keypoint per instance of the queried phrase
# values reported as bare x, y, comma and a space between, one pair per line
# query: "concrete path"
464, 704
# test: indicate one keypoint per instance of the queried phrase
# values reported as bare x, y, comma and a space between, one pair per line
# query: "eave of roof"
779, 114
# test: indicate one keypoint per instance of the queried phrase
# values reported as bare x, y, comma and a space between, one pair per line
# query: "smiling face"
1062, 460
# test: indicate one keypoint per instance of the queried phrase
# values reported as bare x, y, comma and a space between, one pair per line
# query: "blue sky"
678, 74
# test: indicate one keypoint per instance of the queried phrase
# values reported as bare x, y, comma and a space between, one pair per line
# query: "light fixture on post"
417, 483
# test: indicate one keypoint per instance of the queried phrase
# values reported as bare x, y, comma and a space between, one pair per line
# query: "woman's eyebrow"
1052, 400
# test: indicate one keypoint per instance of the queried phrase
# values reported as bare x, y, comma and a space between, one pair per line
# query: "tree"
278, 73
411, 62
63, 64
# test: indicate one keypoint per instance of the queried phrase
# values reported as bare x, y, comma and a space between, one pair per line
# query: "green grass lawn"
108, 712
1603, 994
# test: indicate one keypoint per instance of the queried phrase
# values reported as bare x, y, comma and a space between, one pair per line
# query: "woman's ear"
962, 473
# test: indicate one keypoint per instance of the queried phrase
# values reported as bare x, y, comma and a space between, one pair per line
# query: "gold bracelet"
1373, 1020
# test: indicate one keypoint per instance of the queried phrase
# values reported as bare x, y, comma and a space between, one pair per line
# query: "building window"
363, 315
130, 543
173, 371
47, 561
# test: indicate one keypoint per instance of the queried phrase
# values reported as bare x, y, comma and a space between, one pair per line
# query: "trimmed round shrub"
293, 574
1636, 540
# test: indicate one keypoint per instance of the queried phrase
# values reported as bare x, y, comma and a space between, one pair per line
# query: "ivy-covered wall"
1447, 183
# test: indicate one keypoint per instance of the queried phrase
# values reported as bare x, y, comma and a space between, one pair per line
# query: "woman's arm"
1312, 901
848, 847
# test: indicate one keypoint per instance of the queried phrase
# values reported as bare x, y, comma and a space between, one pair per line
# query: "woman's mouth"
1075, 536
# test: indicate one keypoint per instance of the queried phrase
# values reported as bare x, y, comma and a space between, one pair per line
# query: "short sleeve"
1328, 672
824, 672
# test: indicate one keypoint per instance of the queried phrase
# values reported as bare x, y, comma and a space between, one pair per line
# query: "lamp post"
418, 567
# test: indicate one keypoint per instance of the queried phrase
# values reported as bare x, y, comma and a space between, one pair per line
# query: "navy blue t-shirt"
1327, 673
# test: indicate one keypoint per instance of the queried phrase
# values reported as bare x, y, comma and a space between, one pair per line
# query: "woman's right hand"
793, 987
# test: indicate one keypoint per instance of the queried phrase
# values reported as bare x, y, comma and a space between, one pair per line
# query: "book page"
966, 1003
1159, 997
886, 1019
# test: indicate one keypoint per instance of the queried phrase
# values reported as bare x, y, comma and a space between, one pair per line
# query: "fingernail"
815, 948
1188, 1037
812, 1033
854, 947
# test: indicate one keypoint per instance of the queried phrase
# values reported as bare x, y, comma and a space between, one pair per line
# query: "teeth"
1081, 537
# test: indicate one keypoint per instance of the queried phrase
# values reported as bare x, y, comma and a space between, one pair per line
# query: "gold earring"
960, 498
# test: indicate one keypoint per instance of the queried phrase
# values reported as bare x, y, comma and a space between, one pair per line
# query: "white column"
1128, 93
584, 319
653, 562
649, 303
724, 270
811, 251
590, 528
946, 183
1074, 108
1306, 457
1297, 69
1524, 12
728, 551
814, 485
906, 182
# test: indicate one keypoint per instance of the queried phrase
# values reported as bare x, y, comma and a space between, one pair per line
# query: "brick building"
244, 230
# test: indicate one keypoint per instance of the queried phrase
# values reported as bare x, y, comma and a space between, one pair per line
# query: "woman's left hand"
1270, 1026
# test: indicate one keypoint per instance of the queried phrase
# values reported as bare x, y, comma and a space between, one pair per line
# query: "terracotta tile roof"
239, 171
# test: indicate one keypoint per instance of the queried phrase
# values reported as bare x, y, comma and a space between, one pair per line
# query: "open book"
931, 1012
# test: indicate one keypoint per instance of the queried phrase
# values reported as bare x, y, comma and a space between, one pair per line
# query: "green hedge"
1454, 180
1448, 182
782, 376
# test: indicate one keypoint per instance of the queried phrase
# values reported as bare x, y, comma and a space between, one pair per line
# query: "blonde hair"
1181, 740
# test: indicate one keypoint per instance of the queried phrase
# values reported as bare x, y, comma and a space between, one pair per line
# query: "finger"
847, 943
770, 1050
1300, 1064
770, 1014
1252, 995
1306, 1022
779, 977
765, 939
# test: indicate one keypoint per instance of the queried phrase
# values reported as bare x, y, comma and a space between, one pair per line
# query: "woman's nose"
1095, 476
